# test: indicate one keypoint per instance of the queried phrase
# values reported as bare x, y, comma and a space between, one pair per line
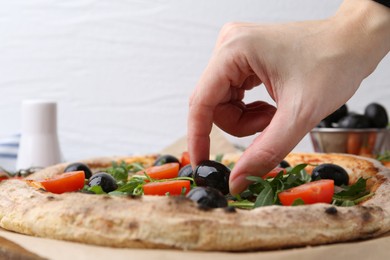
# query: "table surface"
376, 248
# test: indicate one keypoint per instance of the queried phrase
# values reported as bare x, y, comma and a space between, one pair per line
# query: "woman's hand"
308, 68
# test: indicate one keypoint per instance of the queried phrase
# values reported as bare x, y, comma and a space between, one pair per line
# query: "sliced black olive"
335, 116
79, 167
186, 171
355, 121
104, 180
212, 174
284, 164
207, 197
377, 114
331, 171
163, 159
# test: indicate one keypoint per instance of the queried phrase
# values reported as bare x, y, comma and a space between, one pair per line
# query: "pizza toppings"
294, 186
308, 193
208, 184
163, 159
172, 188
186, 171
284, 164
207, 197
164, 171
79, 167
66, 182
212, 174
104, 180
332, 172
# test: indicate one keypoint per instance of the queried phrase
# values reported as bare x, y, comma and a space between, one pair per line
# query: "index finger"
211, 90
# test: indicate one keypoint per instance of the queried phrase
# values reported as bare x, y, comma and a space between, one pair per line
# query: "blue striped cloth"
9, 146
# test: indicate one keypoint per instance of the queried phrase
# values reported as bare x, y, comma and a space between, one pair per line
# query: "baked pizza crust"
175, 222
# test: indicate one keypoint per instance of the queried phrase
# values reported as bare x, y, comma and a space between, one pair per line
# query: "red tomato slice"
273, 173
2, 178
174, 187
312, 192
165, 171
185, 159
66, 182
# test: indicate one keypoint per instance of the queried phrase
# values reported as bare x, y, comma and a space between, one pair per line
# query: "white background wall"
122, 71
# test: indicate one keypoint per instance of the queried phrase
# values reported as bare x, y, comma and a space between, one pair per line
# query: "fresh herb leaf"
298, 202
218, 158
352, 194
242, 204
96, 189
265, 197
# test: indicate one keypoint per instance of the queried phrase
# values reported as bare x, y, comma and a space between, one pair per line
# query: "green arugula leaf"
265, 198
96, 189
352, 195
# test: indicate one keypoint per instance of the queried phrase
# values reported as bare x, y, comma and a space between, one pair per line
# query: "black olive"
79, 167
284, 164
212, 174
355, 121
377, 114
163, 159
330, 171
104, 180
335, 116
207, 197
325, 124
186, 171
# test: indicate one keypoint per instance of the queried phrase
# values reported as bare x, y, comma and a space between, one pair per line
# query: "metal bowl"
366, 142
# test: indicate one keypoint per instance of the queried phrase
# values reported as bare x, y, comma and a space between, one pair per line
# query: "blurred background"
122, 71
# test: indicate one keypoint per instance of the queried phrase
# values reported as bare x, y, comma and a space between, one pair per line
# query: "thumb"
269, 148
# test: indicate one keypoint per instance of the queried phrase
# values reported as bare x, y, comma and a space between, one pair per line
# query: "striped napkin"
9, 146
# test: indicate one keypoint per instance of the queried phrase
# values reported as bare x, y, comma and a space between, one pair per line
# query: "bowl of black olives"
366, 134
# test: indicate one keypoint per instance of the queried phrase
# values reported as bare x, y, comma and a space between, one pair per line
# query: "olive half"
104, 180
163, 159
212, 174
331, 171
186, 171
207, 197
79, 167
284, 164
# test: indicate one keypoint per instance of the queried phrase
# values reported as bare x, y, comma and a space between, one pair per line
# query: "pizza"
122, 220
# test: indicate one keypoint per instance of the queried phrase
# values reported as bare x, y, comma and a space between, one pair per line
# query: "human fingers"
269, 148
239, 119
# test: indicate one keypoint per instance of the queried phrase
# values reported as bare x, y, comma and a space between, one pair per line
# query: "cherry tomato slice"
165, 171
273, 173
2, 178
185, 159
312, 192
174, 187
66, 182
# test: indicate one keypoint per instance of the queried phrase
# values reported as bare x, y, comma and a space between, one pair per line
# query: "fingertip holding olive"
331, 171
79, 167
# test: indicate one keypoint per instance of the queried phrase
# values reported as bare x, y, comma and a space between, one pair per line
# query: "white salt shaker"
39, 146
